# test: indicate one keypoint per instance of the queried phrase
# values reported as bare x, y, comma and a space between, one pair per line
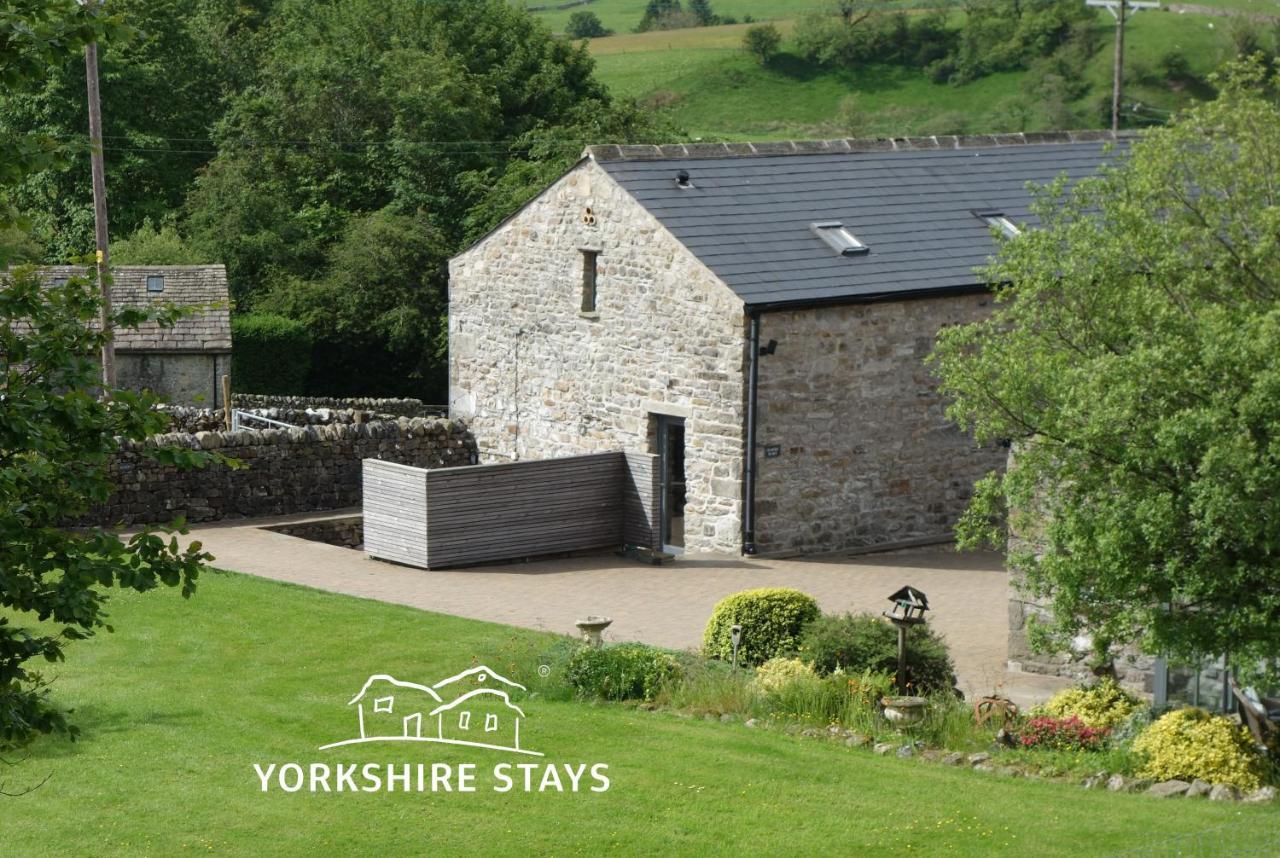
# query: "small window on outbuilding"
997, 219
589, 280
383, 704
491, 723
61, 281
839, 238
155, 282
464, 721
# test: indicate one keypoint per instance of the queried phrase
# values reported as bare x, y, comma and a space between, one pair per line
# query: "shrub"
762, 42
776, 673
1104, 705
1063, 734
270, 354
1191, 743
628, 671
1175, 65
862, 642
151, 245
586, 25
771, 619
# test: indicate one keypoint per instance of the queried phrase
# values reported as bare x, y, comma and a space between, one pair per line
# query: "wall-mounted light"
769, 348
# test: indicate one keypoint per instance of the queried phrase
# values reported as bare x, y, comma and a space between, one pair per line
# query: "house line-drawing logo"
479, 713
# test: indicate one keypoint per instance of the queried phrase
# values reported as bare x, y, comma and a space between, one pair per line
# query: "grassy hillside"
622, 16
713, 89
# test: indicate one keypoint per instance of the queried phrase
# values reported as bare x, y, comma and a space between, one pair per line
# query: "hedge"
270, 354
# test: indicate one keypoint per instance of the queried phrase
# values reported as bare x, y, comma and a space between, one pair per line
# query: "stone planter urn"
904, 711
592, 627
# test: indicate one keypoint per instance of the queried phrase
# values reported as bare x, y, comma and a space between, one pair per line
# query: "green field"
186, 696
622, 16
714, 90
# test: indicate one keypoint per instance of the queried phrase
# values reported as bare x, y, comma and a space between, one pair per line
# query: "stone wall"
191, 420
181, 378
346, 531
394, 407
534, 377
287, 470
855, 448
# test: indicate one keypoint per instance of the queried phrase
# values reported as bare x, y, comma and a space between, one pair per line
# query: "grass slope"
713, 89
179, 703
622, 16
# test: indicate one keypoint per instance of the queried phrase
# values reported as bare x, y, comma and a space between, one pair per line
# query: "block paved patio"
663, 605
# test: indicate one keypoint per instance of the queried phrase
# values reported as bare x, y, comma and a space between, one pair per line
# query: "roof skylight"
838, 238
997, 219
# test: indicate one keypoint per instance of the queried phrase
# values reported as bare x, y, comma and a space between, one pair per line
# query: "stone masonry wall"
181, 378
189, 420
865, 454
288, 470
534, 377
377, 405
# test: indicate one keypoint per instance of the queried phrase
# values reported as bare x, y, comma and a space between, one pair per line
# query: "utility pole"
100, 212
1119, 10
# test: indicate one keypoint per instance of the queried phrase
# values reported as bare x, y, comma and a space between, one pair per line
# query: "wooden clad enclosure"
483, 513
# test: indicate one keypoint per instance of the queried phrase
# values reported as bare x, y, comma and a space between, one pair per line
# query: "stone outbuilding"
758, 316
182, 363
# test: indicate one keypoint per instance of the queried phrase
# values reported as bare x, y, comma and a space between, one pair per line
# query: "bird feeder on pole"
909, 605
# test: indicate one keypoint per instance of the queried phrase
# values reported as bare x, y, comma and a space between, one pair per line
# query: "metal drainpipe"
749, 469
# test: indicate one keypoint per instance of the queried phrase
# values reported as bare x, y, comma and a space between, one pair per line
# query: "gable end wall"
534, 377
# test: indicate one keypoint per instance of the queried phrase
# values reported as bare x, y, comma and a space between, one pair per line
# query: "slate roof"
207, 330
910, 200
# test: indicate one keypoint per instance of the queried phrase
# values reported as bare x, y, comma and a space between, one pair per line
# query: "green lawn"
186, 696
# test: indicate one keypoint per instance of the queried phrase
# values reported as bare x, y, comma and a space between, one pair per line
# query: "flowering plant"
1063, 734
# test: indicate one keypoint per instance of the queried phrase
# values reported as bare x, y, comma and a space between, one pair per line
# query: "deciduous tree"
1134, 357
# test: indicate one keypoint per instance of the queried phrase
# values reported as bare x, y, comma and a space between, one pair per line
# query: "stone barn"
181, 363
757, 315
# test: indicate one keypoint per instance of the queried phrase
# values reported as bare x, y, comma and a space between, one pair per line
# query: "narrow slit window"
589, 280
997, 219
155, 282
838, 237
464, 721
491, 723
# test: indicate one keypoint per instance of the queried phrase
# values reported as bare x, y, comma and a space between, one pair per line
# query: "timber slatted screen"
482, 513
395, 512
641, 499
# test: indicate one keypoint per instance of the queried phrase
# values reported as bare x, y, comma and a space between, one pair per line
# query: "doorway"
670, 444
413, 726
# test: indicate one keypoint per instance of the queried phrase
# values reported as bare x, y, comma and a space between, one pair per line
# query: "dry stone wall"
189, 420
537, 378
286, 470
855, 447
394, 407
